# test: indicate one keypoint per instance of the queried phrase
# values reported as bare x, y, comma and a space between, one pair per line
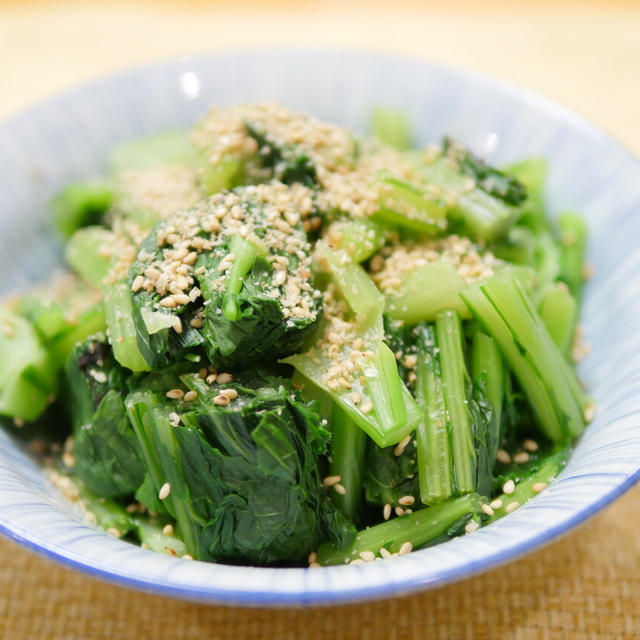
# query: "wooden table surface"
584, 55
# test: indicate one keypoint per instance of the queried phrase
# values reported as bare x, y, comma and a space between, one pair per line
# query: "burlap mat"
584, 587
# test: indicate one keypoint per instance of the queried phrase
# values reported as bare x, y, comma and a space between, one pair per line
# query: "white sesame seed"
356, 398
314, 565
384, 553
68, 459
367, 556
402, 445
399, 511
232, 394
338, 488
366, 407
512, 506
539, 486
530, 445
503, 456
406, 501
521, 458
313, 557
164, 492
167, 530
190, 396
509, 487
487, 509
357, 561
174, 419
406, 547
496, 504
386, 511
112, 531
225, 378
590, 412
186, 556
329, 481
221, 401
471, 526
211, 378
175, 394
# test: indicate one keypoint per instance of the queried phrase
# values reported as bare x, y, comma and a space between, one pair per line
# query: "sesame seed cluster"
268, 215
388, 267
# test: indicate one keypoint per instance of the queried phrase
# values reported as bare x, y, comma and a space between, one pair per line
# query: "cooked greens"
281, 343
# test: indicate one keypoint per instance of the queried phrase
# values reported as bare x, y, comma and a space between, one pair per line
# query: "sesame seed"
211, 378
177, 325
357, 561
232, 394
384, 553
338, 488
356, 398
402, 445
68, 459
521, 458
399, 511
314, 565
112, 531
367, 556
175, 394
539, 486
590, 412
386, 511
186, 556
225, 378
313, 557
487, 509
503, 456
171, 551
366, 407
164, 492
530, 445
174, 419
471, 526
190, 396
406, 501
405, 548
496, 504
329, 481
167, 530
18, 422
132, 508
509, 487
202, 373
221, 401
512, 506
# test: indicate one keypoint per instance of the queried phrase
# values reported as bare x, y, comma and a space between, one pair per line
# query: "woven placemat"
586, 586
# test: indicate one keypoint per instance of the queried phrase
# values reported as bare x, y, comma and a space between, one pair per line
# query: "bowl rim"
364, 591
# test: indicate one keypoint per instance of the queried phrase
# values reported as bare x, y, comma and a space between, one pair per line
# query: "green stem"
245, 253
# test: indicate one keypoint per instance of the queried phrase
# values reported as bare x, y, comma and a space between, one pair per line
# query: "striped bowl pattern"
68, 137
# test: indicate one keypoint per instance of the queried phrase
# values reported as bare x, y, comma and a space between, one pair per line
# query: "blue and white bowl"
67, 138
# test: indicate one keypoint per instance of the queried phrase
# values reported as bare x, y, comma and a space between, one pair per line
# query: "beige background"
585, 55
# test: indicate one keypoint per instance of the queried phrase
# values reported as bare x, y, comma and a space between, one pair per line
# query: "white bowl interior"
68, 137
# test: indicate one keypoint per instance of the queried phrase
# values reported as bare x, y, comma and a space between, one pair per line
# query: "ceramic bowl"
68, 137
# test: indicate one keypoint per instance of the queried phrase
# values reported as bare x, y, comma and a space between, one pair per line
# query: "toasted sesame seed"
211, 378
357, 561
405, 547
138, 283
487, 509
221, 401
186, 556
314, 565
338, 488
384, 553
471, 526
402, 445
399, 511
232, 394
175, 394
509, 487
167, 530
503, 456
406, 501
530, 445
112, 531
313, 557
512, 506
521, 458
190, 396
177, 325
225, 378
164, 492
367, 556
386, 511
356, 398
496, 504
132, 508
171, 551
539, 486
329, 481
